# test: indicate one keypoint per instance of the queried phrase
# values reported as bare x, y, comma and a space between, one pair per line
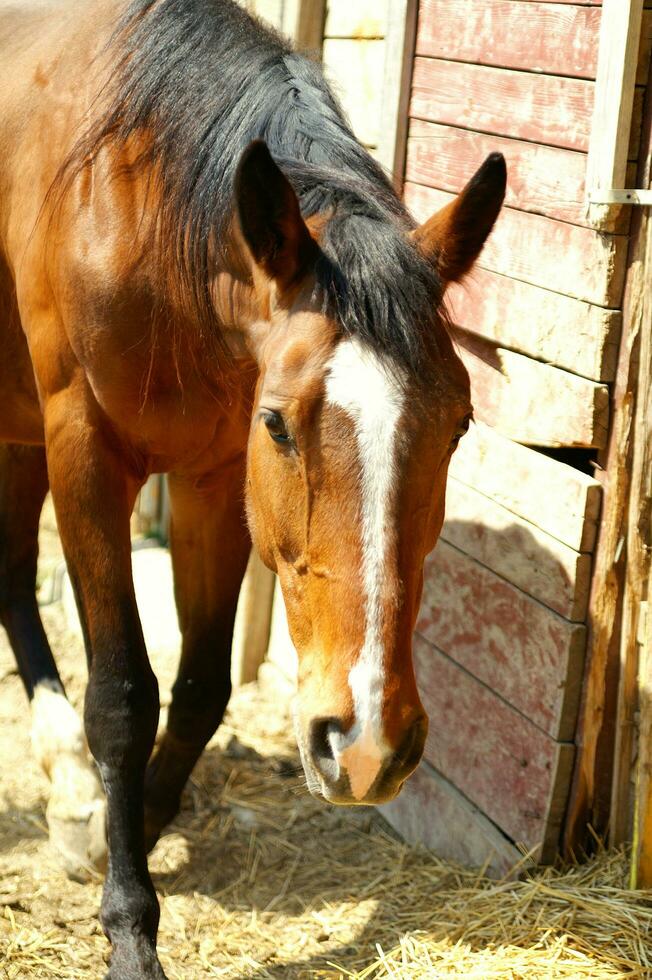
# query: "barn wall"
502, 631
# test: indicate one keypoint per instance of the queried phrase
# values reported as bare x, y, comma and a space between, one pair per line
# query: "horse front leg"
210, 547
76, 811
94, 491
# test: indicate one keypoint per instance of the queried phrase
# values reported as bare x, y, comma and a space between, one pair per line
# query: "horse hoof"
76, 817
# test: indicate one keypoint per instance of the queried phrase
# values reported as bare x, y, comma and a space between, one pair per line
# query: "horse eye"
464, 428
276, 428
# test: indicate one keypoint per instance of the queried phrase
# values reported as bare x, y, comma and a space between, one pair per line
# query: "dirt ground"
258, 880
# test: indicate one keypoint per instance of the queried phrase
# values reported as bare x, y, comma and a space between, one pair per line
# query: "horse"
203, 273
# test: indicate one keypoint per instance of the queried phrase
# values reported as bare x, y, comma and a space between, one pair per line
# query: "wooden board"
580, 262
552, 327
620, 35
430, 811
524, 652
542, 179
363, 18
532, 402
520, 552
540, 108
397, 77
555, 497
497, 758
558, 41
355, 69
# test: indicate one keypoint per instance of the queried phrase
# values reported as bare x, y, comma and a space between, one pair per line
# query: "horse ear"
453, 238
270, 218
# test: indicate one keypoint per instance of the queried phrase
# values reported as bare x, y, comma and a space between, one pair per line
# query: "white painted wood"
355, 18
620, 32
354, 67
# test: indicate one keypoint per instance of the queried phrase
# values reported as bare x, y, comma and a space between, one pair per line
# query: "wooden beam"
252, 625
638, 550
309, 29
594, 778
620, 32
642, 838
397, 81
555, 497
504, 638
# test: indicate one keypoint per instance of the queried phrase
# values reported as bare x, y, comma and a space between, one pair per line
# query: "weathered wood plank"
553, 496
558, 41
520, 552
508, 391
581, 262
541, 108
503, 763
552, 327
524, 652
355, 68
542, 179
430, 811
364, 18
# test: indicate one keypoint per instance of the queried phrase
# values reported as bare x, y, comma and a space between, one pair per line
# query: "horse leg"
94, 490
210, 546
76, 808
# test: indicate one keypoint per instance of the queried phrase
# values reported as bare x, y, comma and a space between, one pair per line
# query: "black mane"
204, 79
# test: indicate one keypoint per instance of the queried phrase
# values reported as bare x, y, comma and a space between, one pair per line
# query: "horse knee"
121, 717
198, 707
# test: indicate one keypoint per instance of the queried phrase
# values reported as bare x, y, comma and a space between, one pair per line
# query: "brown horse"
203, 273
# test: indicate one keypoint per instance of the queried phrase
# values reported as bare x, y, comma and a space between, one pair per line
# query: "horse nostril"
411, 748
321, 750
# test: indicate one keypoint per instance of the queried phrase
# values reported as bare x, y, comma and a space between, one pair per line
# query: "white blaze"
357, 382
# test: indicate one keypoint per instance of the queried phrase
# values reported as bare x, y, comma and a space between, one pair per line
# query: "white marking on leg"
358, 382
76, 805
56, 727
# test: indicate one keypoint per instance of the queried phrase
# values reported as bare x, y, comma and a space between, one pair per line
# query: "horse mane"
203, 79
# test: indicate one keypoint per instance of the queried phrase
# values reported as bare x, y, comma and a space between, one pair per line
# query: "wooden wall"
501, 636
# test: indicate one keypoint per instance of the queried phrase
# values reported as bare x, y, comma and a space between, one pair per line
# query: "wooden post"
399, 52
620, 31
639, 593
309, 30
600, 794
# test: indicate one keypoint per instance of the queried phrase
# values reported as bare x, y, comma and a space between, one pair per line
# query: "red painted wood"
527, 318
576, 261
542, 179
526, 653
518, 551
494, 755
431, 812
542, 38
540, 108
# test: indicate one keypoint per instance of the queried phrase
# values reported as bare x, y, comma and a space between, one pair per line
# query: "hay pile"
258, 880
